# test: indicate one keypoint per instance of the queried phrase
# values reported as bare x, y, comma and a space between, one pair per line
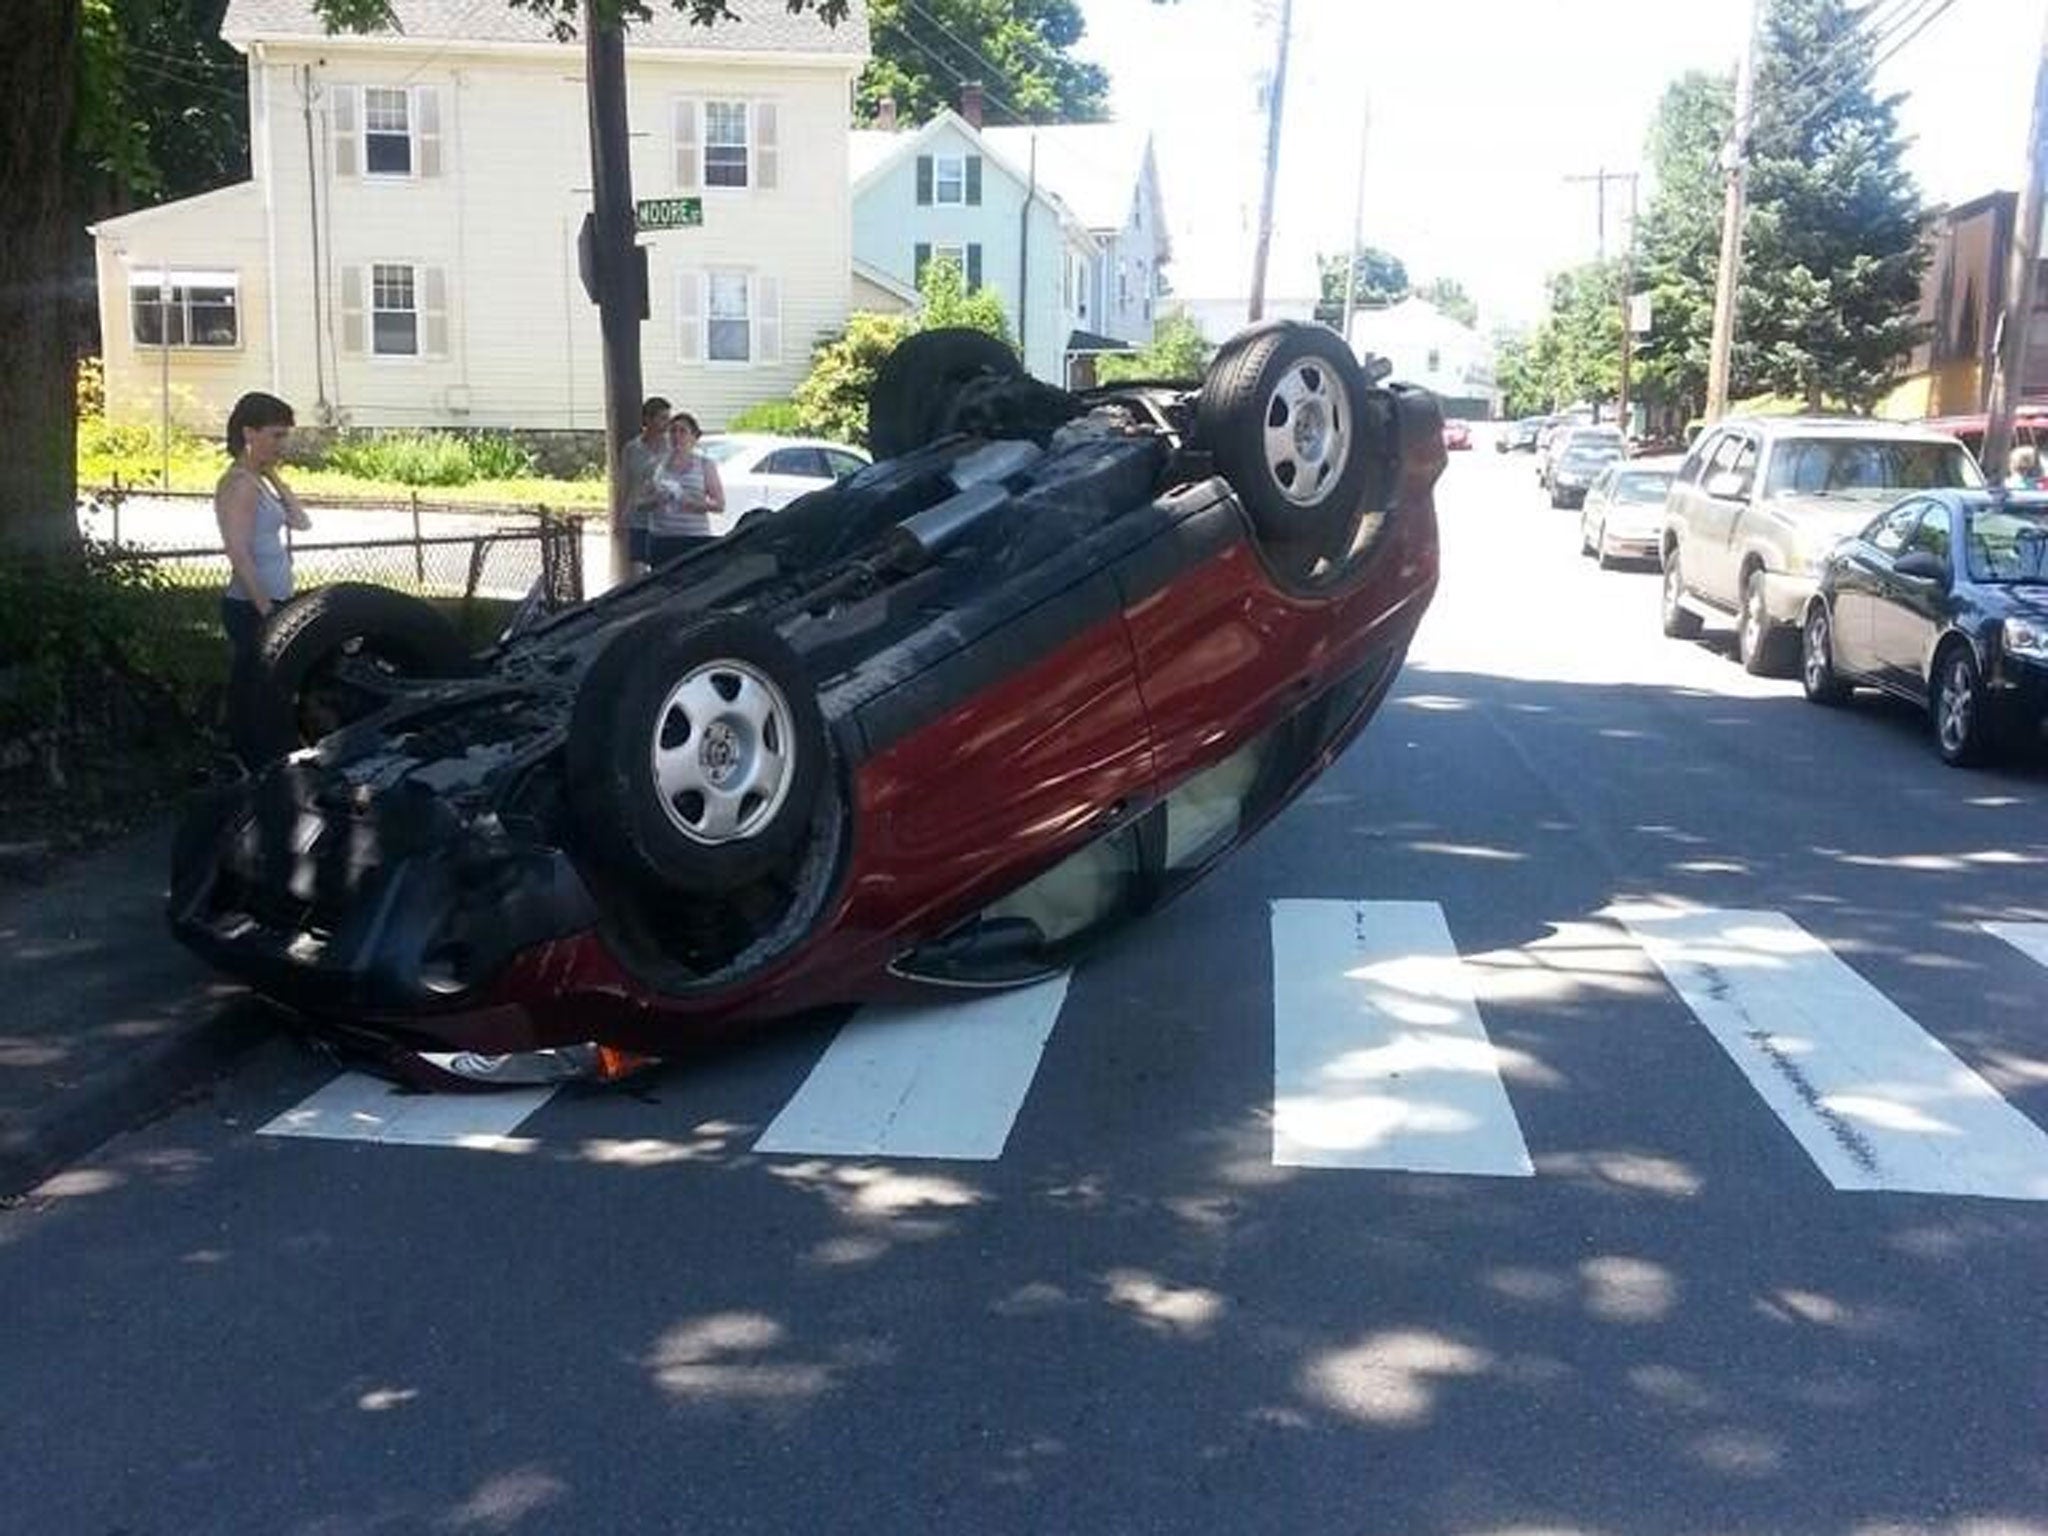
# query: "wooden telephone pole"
1275, 103
1728, 275
617, 279
2022, 277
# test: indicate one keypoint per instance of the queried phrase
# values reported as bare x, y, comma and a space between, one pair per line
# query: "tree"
947, 302
162, 103
1519, 377
1382, 279
1449, 295
1678, 248
1017, 49
1835, 245
1176, 351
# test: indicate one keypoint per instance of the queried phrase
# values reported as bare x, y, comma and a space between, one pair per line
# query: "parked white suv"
1760, 500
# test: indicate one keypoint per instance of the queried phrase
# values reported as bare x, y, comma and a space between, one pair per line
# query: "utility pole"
1735, 173
1628, 282
1275, 103
1357, 220
2022, 269
616, 272
1599, 179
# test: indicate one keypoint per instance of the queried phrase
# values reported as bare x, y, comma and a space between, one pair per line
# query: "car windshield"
2009, 544
1642, 486
1591, 455
1829, 466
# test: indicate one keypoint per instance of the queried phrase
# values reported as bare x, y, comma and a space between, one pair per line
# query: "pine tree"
1834, 246
1679, 247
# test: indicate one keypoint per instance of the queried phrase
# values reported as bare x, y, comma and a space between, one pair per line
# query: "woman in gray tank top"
254, 506
689, 494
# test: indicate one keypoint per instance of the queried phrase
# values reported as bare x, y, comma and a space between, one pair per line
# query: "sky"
1472, 114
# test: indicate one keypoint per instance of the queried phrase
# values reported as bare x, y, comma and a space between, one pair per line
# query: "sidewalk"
105, 1020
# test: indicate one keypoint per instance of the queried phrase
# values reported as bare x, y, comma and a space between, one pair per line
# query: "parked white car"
760, 470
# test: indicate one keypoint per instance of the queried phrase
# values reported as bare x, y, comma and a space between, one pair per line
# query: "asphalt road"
1678, 1312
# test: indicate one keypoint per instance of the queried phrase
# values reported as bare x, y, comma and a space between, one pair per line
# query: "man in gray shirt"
639, 460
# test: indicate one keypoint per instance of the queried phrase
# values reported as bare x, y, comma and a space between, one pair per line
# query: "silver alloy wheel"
1956, 714
1308, 432
1820, 663
1751, 639
1674, 587
723, 749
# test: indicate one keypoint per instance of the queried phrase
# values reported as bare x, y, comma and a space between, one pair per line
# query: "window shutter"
352, 309
974, 266
924, 181
434, 310
426, 118
920, 259
688, 157
766, 156
974, 181
342, 126
690, 316
767, 311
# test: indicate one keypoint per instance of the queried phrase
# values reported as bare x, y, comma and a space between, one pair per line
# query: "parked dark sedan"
944, 723
1943, 600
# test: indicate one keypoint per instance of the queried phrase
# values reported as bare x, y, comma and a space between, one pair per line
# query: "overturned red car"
940, 725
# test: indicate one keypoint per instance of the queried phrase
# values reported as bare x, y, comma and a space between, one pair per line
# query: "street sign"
669, 213
1639, 313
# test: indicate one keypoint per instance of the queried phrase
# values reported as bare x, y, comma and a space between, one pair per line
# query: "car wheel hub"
1955, 709
722, 752
1306, 434
1817, 651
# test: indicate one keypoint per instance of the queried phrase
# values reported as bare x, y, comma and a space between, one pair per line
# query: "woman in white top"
690, 494
253, 507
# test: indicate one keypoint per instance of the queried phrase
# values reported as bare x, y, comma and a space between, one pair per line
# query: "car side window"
1694, 469
842, 464
1890, 532
805, 462
1745, 463
1932, 535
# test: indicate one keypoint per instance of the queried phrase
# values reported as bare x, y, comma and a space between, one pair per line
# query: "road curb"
85, 1113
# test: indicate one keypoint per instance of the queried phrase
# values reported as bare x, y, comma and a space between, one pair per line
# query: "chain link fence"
436, 550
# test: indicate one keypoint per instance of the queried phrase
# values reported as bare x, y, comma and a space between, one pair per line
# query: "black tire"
1817, 674
1762, 646
1604, 560
1680, 622
1303, 500
911, 400
1961, 716
335, 654
657, 679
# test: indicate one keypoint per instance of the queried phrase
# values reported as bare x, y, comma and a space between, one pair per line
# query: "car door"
1909, 610
1594, 507
840, 464
1713, 558
787, 473
1861, 571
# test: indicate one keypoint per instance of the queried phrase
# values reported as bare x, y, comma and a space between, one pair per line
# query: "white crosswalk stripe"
1381, 1061
1876, 1101
1379, 1056
941, 1082
354, 1107
2030, 939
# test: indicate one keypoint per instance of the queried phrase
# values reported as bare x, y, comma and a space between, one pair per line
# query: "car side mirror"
1728, 485
1923, 565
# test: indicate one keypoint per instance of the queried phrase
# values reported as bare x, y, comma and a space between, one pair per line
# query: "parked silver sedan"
760, 470
1623, 514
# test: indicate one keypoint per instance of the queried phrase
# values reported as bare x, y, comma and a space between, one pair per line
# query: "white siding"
222, 231
499, 224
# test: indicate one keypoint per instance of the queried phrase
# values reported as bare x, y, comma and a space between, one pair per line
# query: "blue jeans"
664, 547
244, 626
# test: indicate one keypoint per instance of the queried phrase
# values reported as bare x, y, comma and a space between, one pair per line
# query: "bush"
408, 458
785, 418
832, 401
1177, 351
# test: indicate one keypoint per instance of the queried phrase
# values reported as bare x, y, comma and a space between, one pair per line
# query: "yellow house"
405, 250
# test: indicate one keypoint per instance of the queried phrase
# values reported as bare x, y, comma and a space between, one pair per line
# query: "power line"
1870, 29
183, 83
1941, 9
948, 66
973, 53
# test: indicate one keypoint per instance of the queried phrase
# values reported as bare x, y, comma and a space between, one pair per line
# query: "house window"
394, 312
728, 329
184, 309
1123, 285
949, 179
725, 144
387, 131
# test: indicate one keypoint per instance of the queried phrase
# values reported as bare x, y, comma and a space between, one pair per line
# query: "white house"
944, 190
1429, 348
405, 250
1107, 174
